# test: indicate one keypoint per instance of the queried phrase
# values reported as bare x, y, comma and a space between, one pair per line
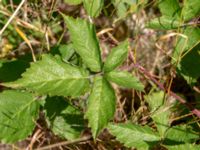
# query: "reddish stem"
161, 86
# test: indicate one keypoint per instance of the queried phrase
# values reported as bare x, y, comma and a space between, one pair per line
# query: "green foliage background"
87, 82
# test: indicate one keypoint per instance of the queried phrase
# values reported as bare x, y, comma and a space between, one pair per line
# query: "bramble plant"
78, 72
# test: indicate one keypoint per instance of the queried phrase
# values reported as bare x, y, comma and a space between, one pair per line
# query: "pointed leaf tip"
85, 42
116, 56
125, 79
101, 105
93, 7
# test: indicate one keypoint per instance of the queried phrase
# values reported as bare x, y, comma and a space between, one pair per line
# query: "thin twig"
104, 31
36, 136
22, 22
12, 17
85, 138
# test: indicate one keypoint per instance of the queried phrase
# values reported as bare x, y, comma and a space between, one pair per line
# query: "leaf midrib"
55, 80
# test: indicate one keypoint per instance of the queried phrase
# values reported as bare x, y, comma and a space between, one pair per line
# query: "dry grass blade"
23, 36
12, 17
85, 138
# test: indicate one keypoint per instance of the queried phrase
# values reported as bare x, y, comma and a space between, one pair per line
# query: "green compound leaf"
180, 134
131, 135
189, 65
125, 79
164, 23
187, 53
155, 100
93, 7
73, 2
169, 8
64, 120
124, 7
191, 9
192, 36
54, 77
183, 147
85, 42
18, 114
121, 8
159, 112
116, 56
101, 105
161, 119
